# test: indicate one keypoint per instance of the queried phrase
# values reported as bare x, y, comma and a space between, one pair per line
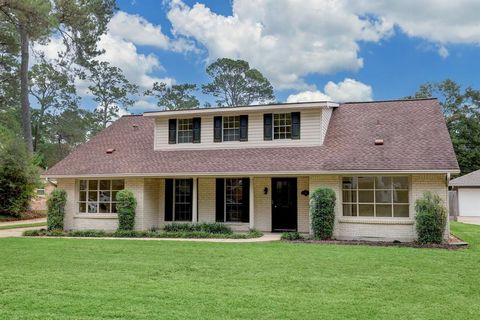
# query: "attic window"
379, 142
111, 150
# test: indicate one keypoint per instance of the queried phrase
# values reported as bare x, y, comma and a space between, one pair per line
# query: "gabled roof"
469, 180
414, 133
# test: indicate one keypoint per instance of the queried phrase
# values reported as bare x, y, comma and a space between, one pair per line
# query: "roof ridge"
392, 100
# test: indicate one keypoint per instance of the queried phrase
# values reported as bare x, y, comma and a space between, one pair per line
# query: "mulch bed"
25, 216
454, 243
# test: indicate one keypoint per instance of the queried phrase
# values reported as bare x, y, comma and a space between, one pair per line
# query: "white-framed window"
375, 196
183, 200
185, 130
282, 126
231, 128
99, 196
235, 210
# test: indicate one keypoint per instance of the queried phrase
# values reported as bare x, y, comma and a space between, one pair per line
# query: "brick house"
254, 167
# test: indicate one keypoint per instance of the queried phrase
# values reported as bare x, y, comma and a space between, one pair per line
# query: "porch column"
195, 201
251, 204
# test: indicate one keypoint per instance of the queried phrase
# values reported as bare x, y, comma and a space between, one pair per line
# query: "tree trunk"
26, 117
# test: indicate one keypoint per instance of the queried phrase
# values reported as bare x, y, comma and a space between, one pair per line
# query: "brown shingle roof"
469, 180
414, 133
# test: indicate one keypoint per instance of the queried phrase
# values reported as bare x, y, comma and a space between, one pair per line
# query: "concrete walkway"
18, 232
9, 223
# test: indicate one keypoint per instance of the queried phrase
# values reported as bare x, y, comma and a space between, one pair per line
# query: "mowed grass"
120, 279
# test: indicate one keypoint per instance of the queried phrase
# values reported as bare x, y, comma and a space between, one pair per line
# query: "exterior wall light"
265, 190
305, 193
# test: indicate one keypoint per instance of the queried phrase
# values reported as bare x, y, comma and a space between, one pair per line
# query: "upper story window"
231, 128
376, 196
280, 126
185, 131
99, 196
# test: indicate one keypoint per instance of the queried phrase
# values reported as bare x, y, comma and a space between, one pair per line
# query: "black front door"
284, 204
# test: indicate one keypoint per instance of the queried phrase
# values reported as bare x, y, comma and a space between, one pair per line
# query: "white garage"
468, 194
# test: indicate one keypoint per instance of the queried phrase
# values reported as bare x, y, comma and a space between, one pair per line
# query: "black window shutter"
244, 128
267, 126
246, 199
217, 129
168, 199
172, 131
295, 125
196, 130
219, 200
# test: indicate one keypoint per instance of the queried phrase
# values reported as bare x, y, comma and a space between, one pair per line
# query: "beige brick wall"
69, 185
263, 204
206, 200
303, 216
150, 204
402, 229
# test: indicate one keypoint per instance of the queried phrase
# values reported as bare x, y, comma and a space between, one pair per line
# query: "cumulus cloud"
346, 90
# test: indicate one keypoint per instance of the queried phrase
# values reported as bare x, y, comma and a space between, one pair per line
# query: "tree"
175, 97
53, 90
80, 24
235, 83
462, 115
111, 90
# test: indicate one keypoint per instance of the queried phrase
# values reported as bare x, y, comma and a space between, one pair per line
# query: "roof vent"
135, 127
111, 150
379, 142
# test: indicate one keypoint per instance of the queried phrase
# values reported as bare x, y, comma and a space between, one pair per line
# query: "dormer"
274, 125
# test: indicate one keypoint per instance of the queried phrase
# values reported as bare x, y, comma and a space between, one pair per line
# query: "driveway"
18, 232
469, 220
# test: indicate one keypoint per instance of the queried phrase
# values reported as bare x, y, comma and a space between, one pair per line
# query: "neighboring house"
39, 201
468, 194
255, 166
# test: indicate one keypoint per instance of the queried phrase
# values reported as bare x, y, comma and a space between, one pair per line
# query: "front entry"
284, 204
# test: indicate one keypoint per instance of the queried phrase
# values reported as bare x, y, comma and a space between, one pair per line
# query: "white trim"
247, 173
373, 220
227, 110
95, 216
194, 201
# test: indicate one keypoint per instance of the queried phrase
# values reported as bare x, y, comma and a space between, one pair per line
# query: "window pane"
350, 182
114, 208
365, 210
82, 207
92, 207
183, 200
349, 209
365, 196
400, 182
400, 210
384, 210
104, 207
282, 126
383, 196
185, 130
400, 196
83, 184
83, 195
104, 196
92, 184
118, 184
383, 182
92, 196
365, 182
234, 206
104, 184
349, 196
231, 128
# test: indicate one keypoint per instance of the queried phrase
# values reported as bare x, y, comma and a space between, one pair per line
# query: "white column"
195, 201
251, 204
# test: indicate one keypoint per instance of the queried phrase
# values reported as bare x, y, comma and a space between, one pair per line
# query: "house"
255, 166
467, 188
39, 201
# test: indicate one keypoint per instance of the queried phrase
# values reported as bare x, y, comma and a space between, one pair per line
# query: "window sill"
95, 216
372, 220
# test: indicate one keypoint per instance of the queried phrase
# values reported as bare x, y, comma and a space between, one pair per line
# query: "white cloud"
443, 52
346, 90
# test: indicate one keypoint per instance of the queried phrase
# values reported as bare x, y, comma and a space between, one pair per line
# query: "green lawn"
119, 279
25, 225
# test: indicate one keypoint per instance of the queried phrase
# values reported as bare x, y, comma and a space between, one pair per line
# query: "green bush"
198, 227
431, 218
290, 236
56, 209
126, 205
18, 177
322, 211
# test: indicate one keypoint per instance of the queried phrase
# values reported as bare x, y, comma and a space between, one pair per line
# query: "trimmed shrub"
56, 209
322, 211
198, 227
431, 218
290, 236
126, 205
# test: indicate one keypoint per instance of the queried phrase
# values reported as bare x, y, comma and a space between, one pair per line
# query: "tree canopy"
174, 97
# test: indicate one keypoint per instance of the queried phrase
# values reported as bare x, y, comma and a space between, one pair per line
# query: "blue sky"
342, 49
